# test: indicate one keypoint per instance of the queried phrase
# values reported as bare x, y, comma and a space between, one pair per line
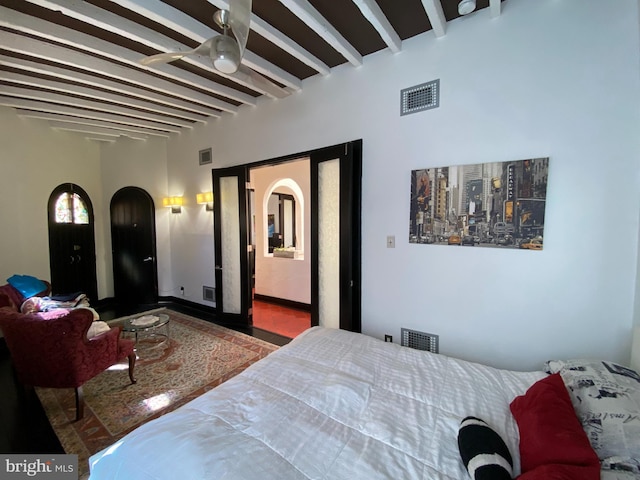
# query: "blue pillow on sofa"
27, 285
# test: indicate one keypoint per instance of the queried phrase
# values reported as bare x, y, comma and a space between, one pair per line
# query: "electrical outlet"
181, 290
388, 338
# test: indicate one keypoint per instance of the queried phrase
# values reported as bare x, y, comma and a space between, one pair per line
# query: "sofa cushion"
97, 328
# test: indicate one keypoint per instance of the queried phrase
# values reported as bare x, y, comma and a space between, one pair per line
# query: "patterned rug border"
90, 435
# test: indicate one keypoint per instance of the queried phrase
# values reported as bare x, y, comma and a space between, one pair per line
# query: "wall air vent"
205, 157
419, 340
209, 294
419, 98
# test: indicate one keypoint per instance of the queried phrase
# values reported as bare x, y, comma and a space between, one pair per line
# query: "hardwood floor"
24, 427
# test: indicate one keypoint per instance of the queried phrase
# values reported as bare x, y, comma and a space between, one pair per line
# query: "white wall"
192, 248
543, 79
34, 159
141, 164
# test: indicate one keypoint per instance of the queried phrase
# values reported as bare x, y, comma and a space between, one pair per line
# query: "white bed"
332, 405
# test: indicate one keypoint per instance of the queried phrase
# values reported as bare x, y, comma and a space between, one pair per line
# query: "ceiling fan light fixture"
225, 54
466, 6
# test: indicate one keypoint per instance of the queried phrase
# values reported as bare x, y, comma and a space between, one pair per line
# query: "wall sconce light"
175, 203
205, 198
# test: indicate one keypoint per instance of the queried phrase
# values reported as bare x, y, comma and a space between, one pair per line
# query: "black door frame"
350, 289
245, 317
350, 156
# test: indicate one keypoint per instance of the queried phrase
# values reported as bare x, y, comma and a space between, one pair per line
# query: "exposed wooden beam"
103, 83
309, 15
94, 94
87, 43
377, 18
276, 37
100, 138
40, 106
436, 16
495, 6
65, 56
111, 22
97, 106
55, 117
97, 130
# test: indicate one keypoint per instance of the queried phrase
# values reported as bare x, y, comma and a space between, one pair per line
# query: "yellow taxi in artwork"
533, 244
454, 240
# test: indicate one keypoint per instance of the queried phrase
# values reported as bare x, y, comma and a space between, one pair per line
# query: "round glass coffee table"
150, 331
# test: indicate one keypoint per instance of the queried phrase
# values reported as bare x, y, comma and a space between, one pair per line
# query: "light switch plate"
391, 241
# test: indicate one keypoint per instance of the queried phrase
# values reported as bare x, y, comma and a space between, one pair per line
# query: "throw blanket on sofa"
46, 304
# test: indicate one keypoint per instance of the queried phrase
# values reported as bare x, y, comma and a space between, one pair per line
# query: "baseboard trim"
187, 303
283, 302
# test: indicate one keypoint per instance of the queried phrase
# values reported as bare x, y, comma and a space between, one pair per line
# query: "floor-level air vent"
419, 340
209, 294
420, 97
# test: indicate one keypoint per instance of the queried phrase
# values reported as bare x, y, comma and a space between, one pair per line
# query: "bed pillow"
614, 467
550, 432
606, 398
27, 285
483, 452
562, 472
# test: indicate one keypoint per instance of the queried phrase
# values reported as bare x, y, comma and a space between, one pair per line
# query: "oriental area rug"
197, 357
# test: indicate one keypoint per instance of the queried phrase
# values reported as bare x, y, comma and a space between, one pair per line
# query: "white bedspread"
330, 405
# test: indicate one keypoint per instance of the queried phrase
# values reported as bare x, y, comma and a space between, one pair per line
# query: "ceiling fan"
226, 51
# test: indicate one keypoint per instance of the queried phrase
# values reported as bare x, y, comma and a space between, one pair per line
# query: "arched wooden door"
133, 242
72, 251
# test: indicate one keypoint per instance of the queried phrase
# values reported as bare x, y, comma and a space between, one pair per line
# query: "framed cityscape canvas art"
498, 204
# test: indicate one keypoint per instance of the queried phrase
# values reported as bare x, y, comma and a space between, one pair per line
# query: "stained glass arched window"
70, 208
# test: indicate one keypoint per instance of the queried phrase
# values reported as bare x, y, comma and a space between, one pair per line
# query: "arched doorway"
133, 242
72, 251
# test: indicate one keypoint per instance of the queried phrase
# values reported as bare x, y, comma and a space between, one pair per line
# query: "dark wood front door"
133, 242
72, 253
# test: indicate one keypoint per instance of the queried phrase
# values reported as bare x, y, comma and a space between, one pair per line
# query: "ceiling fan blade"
203, 49
260, 82
163, 58
239, 20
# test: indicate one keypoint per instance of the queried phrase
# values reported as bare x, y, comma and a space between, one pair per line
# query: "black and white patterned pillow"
606, 398
483, 452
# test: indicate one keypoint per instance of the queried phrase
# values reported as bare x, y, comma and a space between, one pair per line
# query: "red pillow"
562, 472
550, 432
